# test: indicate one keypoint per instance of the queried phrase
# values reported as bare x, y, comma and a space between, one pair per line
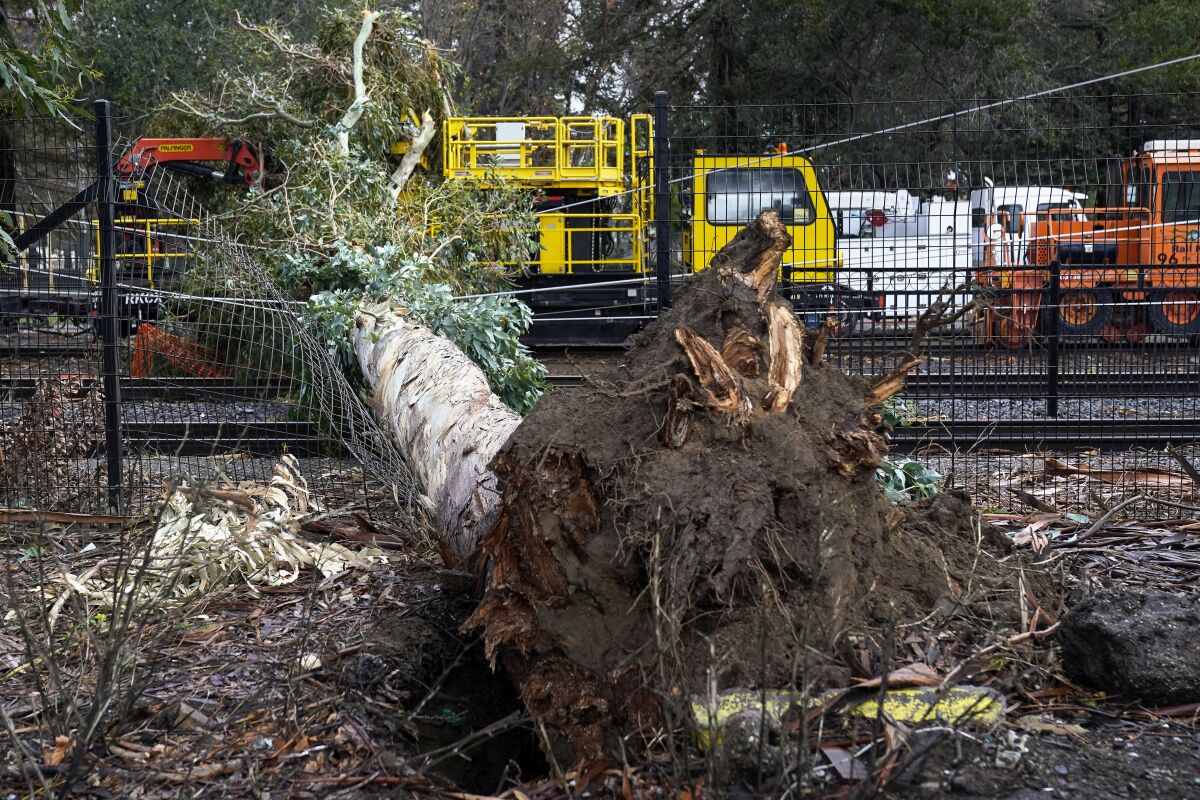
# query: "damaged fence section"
140, 347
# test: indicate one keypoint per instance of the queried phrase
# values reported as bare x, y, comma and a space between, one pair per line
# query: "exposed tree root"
647, 549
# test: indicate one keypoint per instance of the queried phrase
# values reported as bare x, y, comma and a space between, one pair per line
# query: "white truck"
904, 251
900, 249
1015, 209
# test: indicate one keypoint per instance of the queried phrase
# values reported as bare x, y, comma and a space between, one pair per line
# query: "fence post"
662, 199
1052, 343
109, 303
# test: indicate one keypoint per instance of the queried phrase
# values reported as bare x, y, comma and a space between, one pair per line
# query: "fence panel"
1055, 239
160, 352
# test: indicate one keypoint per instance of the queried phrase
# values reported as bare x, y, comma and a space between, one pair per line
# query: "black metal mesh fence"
1057, 238
142, 346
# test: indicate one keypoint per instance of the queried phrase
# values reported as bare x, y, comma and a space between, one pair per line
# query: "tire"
1008, 326
1175, 311
1082, 312
1010, 334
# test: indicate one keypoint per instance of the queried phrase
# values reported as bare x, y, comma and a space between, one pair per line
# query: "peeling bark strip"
440, 407
787, 352
722, 385
740, 351
890, 385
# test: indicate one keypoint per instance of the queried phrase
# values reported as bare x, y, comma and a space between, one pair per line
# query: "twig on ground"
1104, 520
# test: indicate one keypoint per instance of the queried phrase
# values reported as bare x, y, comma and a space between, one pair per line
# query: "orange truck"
1124, 271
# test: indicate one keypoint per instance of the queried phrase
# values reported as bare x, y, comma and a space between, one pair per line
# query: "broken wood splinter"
787, 348
890, 385
720, 383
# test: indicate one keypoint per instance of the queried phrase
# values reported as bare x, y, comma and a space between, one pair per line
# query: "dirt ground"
360, 682
224, 703
1114, 759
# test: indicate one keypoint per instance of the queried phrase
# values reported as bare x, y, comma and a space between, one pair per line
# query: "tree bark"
442, 411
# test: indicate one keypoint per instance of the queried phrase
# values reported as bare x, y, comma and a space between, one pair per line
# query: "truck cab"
1124, 271
1163, 178
725, 193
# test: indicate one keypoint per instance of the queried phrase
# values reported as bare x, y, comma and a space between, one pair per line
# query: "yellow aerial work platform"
575, 153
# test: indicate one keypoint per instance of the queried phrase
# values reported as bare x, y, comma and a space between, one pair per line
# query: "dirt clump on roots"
707, 514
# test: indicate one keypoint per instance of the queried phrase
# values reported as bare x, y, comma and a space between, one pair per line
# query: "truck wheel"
1083, 312
1011, 327
1175, 311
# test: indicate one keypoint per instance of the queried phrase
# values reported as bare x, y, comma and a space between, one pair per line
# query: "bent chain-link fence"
216, 371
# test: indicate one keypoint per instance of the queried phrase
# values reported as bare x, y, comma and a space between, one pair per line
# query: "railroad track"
212, 438
864, 344
988, 380
22, 388
1030, 385
1044, 434
1023, 435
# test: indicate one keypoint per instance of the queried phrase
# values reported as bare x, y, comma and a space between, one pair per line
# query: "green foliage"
905, 479
337, 234
898, 413
143, 51
487, 329
39, 69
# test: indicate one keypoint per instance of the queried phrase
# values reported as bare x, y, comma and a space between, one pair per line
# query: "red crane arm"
241, 159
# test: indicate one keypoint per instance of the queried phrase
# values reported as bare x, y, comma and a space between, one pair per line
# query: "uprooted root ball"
706, 513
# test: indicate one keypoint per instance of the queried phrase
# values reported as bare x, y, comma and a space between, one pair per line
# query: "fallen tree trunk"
442, 411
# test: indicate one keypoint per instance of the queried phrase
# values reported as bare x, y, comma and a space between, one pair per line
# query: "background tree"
39, 69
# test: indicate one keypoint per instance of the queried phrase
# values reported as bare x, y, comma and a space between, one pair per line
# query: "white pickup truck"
1015, 208
903, 250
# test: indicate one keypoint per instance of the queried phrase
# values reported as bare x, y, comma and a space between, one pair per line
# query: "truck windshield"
737, 196
1181, 197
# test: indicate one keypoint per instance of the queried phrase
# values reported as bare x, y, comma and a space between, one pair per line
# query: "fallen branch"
1104, 520
22, 515
938, 314
356, 109
413, 157
953, 674
203, 772
818, 351
1192, 472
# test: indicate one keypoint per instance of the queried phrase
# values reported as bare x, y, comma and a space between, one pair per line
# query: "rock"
1137, 642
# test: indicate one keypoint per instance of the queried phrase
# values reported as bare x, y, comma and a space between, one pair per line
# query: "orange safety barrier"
191, 357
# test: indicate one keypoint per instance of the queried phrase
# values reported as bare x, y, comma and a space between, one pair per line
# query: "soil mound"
706, 515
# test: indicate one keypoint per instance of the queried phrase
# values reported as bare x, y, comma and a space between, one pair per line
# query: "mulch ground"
359, 684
